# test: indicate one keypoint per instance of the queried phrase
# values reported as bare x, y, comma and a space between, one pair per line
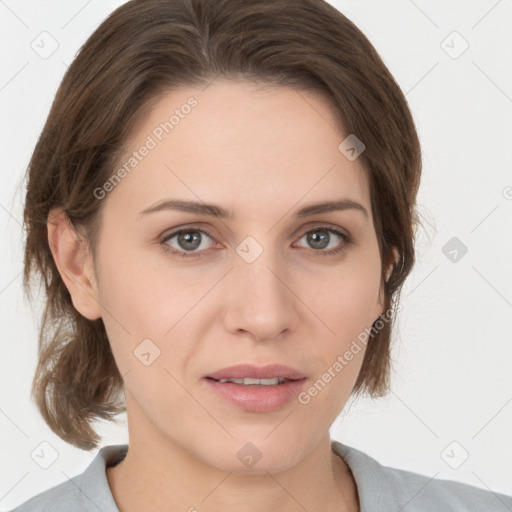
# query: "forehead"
239, 144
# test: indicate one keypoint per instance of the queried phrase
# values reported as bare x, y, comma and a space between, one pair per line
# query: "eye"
320, 238
192, 242
189, 241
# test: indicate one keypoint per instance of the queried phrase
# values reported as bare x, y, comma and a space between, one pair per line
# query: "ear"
74, 263
388, 272
392, 263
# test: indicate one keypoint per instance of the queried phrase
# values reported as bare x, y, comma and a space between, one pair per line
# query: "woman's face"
261, 286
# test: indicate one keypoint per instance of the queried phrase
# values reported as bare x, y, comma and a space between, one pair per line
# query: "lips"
251, 371
256, 388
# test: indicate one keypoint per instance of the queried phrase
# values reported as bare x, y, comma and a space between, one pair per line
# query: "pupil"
189, 242
321, 237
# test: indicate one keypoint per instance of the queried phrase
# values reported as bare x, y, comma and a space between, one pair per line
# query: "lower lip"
257, 398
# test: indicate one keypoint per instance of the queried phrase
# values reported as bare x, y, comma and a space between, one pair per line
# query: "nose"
260, 299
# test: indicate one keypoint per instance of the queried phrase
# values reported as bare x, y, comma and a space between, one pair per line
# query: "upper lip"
241, 371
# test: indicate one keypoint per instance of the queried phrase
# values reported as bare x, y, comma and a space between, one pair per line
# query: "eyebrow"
214, 210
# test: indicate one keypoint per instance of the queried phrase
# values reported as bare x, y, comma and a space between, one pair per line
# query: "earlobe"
389, 271
73, 263
392, 263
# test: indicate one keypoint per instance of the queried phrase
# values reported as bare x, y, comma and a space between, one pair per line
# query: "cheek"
346, 299
132, 289
132, 310
143, 302
346, 305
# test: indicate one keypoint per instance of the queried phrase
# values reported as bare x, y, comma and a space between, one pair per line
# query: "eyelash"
330, 252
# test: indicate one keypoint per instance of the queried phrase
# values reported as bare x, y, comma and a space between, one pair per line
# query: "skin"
261, 153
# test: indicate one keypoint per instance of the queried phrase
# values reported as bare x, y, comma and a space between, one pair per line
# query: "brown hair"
148, 47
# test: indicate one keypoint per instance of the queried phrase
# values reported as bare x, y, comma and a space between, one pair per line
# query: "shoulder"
382, 488
87, 491
62, 497
423, 493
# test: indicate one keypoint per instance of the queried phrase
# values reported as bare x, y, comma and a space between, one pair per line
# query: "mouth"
257, 389
248, 374
248, 381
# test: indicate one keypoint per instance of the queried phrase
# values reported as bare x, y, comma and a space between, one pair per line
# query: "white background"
453, 348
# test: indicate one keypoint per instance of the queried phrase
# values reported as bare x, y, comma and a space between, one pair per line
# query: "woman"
222, 202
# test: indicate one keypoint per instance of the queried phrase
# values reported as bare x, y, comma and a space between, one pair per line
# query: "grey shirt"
380, 488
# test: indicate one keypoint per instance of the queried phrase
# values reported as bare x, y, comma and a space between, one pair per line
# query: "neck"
159, 474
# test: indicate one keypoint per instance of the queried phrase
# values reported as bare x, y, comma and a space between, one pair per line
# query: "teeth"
249, 381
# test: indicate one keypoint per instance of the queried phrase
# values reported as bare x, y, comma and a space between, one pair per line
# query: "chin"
255, 454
